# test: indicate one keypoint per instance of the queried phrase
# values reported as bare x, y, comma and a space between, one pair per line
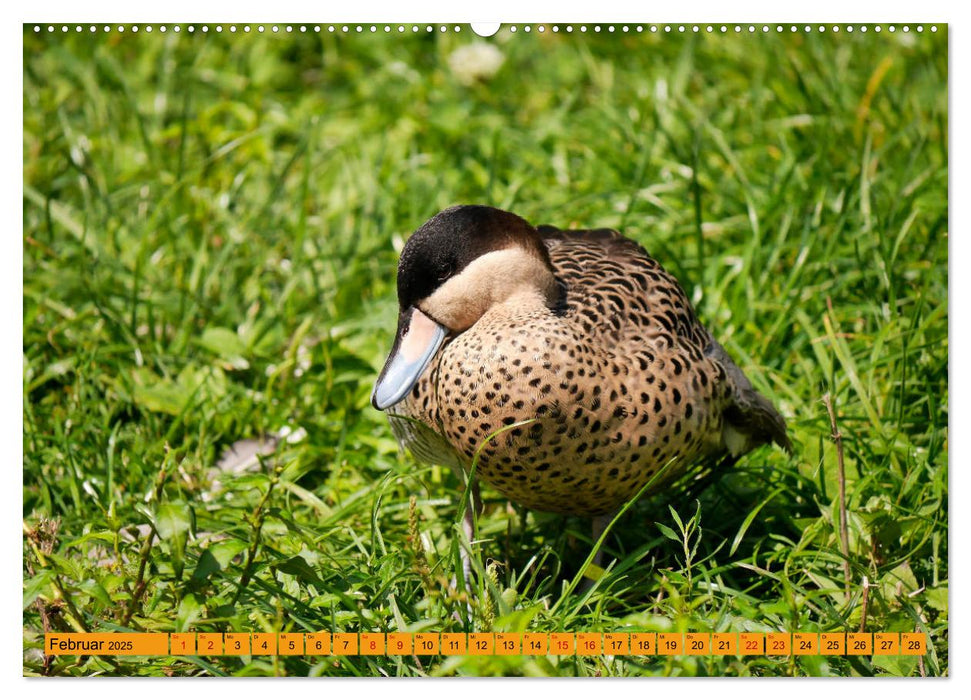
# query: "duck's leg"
472, 511
600, 524
468, 527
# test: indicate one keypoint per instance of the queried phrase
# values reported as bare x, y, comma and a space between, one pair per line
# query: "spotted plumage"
581, 371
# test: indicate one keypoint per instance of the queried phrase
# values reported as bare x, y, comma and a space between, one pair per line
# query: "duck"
567, 368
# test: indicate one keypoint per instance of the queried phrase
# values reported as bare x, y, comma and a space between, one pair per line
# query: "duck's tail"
751, 420
754, 421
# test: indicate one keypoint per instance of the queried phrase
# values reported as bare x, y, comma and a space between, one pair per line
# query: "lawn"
210, 233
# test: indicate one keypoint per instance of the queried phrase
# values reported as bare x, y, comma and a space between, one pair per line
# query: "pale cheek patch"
489, 280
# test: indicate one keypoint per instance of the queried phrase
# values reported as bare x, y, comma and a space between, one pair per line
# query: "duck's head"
458, 265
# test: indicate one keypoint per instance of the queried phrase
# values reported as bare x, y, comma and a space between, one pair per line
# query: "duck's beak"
415, 344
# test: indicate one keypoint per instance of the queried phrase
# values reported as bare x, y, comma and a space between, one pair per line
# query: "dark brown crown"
453, 238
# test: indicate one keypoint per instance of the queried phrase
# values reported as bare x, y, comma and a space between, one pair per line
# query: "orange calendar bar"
859, 643
778, 644
106, 643
833, 643
318, 643
426, 643
724, 643
263, 644
482, 643
670, 643
210, 643
372, 643
344, 644
290, 644
697, 643
589, 644
913, 643
617, 643
509, 643
752, 643
805, 643
454, 644
886, 644
536, 643
236, 643
183, 643
487, 643
643, 643
563, 643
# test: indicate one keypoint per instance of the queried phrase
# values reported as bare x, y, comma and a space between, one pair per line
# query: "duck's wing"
618, 285
610, 240
625, 293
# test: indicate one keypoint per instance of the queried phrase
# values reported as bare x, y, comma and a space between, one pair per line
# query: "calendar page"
560, 349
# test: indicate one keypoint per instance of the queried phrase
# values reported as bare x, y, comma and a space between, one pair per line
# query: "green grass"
211, 227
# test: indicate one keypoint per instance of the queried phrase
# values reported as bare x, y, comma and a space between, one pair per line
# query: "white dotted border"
415, 28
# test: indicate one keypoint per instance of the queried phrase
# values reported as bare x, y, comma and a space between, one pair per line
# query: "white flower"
474, 62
